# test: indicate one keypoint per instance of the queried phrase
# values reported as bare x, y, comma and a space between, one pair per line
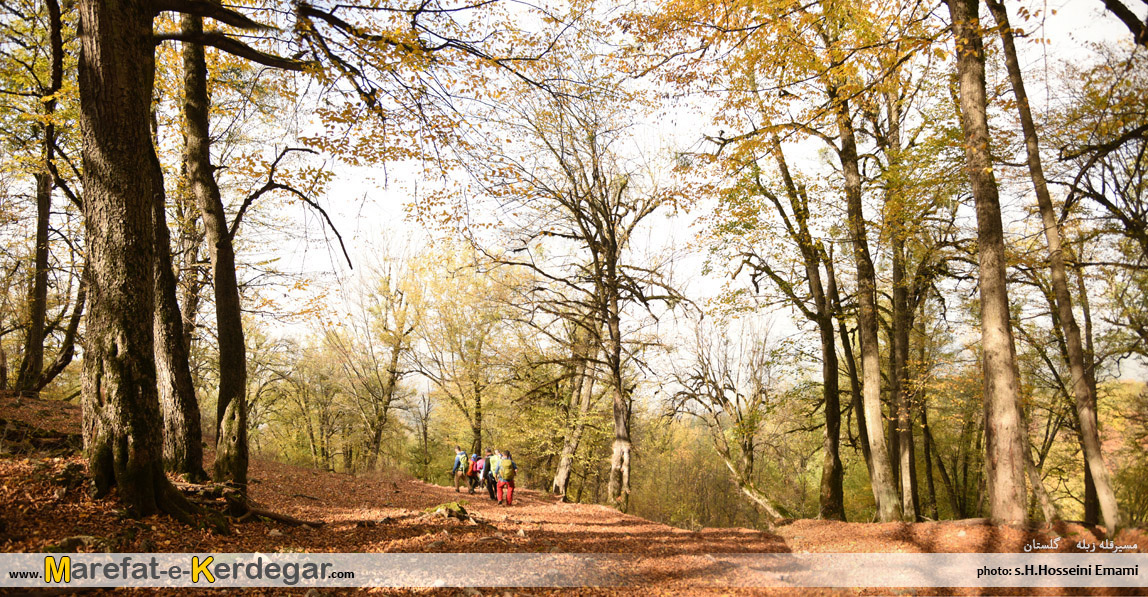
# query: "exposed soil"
44, 504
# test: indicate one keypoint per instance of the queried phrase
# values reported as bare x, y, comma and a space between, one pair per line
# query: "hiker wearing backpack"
488, 473
506, 473
472, 472
480, 468
458, 471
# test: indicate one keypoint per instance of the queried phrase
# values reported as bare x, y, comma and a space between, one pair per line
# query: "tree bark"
1085, 399
121, 178
231, 454
832, 499
1004, 443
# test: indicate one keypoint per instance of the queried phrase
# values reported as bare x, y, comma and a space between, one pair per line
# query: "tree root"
283, 518
174, 503
220, 498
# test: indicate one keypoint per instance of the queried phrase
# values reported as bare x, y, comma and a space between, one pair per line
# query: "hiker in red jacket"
505, 474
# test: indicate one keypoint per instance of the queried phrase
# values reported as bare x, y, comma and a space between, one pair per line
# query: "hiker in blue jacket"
459, 468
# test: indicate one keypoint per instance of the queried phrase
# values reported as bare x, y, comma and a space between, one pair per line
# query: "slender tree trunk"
189, 308
832, 498
68, 346
900, 318
899, 381
884, 486
384, 409
1004, 442
231, 407
183, 435
850, 362
949, 482
582, 480
619, 482
1091, 500
476, 428
348, 456
930, 484
182, 430
584, 386
1085, 399
33, 361
1047, 508
742, 474
121, 179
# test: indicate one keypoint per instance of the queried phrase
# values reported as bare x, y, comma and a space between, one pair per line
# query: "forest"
715, 264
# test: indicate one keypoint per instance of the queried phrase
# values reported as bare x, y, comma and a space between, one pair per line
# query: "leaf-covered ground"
44, 506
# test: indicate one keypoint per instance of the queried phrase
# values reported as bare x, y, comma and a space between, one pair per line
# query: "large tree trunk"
1085, 399
884, 487
231, 408
1004, 442
33, 362
122, 179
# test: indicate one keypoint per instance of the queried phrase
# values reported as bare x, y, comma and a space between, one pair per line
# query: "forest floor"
44, 505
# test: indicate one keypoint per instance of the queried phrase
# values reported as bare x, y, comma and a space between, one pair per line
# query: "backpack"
472, 470
506, 469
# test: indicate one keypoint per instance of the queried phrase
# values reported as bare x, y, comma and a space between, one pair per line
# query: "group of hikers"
495, 471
